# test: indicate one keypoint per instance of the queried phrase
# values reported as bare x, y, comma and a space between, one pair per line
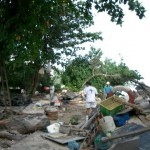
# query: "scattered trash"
73, 145
107, 124
54, 128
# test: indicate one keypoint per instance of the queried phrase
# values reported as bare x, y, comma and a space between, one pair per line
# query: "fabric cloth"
90, 104
107, 89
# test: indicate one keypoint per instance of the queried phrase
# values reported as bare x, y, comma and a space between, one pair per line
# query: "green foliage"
76, 72
116, 12
74, 120
81, 69
34, 32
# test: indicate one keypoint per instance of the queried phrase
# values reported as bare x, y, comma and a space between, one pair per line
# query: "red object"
46, 88
130, 93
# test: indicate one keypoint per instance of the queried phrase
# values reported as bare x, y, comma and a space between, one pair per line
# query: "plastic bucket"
54, 128
107, 124
121, 119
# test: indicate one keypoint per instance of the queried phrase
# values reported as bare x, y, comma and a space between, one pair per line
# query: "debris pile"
65, 126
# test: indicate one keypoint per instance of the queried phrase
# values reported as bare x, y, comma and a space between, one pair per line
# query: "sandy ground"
35, 141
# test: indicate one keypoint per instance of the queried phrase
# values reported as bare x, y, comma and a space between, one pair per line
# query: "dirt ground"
34, 141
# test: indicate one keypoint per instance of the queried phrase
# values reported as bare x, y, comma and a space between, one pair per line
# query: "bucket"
121, 119
51, 113
107, 124
54, 128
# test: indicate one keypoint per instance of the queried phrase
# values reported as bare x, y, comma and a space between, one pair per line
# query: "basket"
52, 115
110, 107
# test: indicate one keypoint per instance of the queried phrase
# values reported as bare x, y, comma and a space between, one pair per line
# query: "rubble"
31, 121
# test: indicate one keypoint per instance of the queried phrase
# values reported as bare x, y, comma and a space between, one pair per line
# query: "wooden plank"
64, 140
145, 121
134, 133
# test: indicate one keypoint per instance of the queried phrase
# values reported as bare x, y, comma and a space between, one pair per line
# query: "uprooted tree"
91, 67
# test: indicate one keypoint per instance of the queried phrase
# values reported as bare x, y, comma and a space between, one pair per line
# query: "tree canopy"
34, 32
91, 68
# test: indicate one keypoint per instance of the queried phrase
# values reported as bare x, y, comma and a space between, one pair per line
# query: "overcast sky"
131, 41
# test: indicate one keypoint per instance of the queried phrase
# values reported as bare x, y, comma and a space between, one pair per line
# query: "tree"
39, 31
34, 32
80, 70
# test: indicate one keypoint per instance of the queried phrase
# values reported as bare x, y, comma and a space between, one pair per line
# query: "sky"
131, 41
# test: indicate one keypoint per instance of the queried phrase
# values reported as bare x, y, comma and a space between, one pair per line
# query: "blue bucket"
121, 119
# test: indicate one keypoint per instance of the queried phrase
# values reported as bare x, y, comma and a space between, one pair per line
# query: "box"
110, 107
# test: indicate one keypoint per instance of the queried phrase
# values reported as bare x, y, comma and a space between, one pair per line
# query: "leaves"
34, 32
80, 69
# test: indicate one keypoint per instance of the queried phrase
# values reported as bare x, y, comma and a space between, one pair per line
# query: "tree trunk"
33, 86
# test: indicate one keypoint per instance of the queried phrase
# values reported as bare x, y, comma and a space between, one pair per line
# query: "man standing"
90, 92
107, 89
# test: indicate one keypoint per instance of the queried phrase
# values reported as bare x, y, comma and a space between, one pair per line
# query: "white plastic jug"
107, 124
54, 128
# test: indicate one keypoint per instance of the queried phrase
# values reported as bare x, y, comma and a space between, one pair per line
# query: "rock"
27, 124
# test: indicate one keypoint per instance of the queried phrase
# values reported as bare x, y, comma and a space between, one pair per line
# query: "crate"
110, 107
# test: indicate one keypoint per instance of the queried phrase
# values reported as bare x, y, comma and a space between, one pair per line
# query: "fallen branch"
101, 74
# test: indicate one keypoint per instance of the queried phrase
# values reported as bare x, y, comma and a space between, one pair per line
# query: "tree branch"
101, 74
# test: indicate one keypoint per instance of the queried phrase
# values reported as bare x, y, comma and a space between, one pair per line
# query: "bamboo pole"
134, 133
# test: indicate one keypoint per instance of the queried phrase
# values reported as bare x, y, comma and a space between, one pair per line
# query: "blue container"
121, 119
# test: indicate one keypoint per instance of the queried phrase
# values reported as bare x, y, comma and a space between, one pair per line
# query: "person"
90, 93
107, 89
54, 100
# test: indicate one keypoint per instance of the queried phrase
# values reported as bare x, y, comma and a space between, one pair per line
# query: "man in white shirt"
90, 92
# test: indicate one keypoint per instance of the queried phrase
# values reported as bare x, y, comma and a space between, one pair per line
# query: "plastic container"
107, 124
110, 107
121, 119
54, 128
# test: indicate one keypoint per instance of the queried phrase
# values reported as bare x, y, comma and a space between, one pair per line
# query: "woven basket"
52, 115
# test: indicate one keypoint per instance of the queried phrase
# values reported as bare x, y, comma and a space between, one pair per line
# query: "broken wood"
144, 120
94, 121
68, 129
63, 140
134, 133
88, 123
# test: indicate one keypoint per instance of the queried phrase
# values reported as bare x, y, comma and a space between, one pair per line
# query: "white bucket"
107, 124
54, 128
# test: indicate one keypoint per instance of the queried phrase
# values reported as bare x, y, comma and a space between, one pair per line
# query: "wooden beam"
134, 133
